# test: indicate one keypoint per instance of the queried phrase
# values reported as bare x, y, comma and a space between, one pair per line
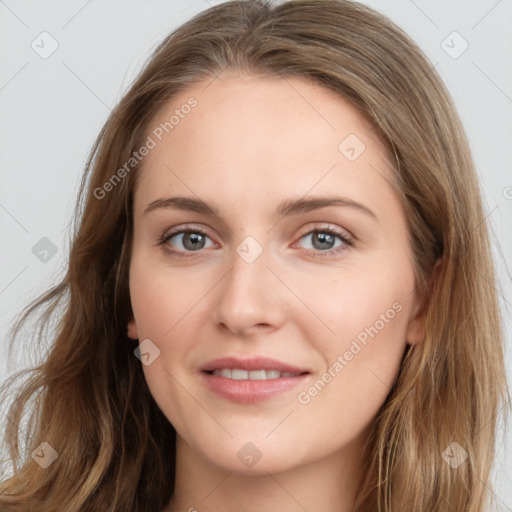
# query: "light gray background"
52, 109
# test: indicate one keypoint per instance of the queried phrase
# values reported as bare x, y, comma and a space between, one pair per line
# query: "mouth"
249, 381
240, 374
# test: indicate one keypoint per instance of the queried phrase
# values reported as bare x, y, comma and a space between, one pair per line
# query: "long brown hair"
89, 399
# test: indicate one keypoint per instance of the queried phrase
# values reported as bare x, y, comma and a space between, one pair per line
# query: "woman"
360, 372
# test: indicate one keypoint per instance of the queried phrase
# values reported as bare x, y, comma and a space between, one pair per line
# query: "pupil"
323, 238
193, 238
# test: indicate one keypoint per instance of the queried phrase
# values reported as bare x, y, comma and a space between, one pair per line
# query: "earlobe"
132, 330
416, 329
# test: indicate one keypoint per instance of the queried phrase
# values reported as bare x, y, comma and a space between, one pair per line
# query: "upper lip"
253, 363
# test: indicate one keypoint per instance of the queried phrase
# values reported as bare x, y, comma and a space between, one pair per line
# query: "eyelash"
347, 240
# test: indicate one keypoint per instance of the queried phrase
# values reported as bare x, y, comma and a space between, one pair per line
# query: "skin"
250, 143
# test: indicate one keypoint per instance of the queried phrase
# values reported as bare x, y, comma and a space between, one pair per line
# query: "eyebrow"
286, 208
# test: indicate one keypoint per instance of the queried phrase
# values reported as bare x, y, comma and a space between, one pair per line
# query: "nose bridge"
248, 270
250, 293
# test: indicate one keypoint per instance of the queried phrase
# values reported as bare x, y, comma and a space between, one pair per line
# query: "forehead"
261, 134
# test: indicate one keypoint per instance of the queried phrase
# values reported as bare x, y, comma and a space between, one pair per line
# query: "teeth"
237, 374
257, 375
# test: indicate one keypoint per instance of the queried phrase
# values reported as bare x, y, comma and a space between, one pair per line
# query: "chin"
255, 455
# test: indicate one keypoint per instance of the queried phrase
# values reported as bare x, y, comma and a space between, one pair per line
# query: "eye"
323, 241
191, 239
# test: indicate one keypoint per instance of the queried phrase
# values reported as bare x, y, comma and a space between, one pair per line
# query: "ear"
416, 327
133, 332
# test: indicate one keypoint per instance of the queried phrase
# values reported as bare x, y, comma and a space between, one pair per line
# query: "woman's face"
297, 263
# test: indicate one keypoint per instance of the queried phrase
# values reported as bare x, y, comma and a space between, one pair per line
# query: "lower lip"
251, 391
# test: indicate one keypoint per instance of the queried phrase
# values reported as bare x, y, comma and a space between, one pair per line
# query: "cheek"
161, 298
361, 363
362, 340
363, 304
165, 308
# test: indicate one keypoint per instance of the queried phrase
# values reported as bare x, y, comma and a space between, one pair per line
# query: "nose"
251, 297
